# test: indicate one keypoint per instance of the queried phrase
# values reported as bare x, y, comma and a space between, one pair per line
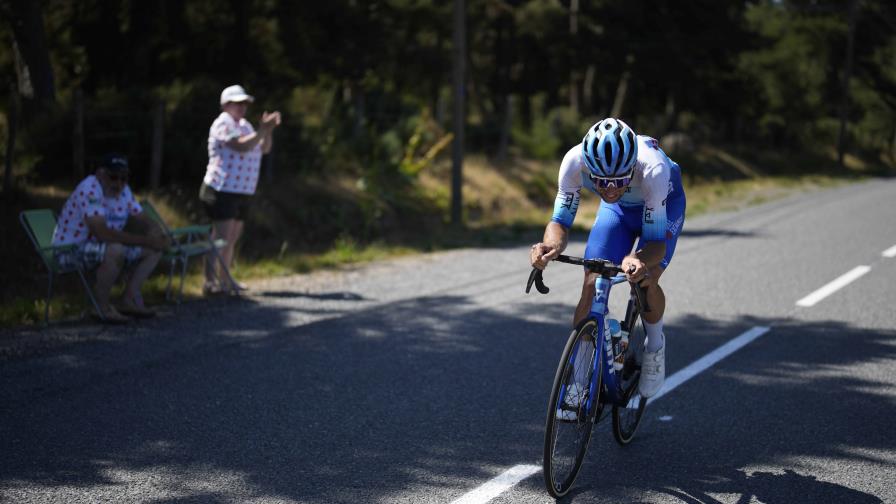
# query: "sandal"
136, 311
111, 316
211, 289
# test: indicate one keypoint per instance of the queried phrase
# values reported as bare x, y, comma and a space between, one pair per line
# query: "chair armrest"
194, 229
54, 248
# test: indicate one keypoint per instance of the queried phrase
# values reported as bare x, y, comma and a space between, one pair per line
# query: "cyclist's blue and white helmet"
610, 149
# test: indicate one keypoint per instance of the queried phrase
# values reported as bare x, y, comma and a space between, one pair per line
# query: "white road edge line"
705, 362
890, 252
515, 474
498, 485
833, 286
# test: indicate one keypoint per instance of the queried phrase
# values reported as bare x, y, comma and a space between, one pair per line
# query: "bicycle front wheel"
627, 418
570, 420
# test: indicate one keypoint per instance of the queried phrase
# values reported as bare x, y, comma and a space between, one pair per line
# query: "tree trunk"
78, 134
35, 72
457, 151
573, 69
622, 88
158, 136
588, 90
12, 120
847, 74
621, 91
670, 115
506, 126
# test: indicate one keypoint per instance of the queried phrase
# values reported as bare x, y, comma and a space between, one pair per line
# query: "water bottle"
619, 340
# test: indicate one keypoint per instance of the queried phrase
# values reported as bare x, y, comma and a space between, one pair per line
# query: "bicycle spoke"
569, 425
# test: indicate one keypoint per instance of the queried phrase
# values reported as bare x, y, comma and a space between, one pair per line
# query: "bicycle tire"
627, 419
560, 470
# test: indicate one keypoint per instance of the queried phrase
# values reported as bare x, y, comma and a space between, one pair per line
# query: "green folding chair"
40, 225
188, 241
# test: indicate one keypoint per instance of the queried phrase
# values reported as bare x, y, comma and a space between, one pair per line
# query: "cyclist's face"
611, 194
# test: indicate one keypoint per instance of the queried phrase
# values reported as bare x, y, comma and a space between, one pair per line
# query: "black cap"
115, 162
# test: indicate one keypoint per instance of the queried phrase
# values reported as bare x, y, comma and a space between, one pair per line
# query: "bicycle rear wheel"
568, 427
627, 418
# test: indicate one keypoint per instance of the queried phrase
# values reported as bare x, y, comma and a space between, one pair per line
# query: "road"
425, 380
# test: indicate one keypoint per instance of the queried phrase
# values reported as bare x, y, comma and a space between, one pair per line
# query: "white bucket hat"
235, 93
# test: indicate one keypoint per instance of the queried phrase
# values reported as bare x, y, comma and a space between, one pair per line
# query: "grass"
309, 225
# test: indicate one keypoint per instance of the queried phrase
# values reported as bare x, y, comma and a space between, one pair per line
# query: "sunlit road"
422, 380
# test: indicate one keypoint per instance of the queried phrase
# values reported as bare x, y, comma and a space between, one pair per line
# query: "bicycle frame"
612, 386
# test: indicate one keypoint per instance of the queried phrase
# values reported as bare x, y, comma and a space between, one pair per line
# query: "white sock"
655, 339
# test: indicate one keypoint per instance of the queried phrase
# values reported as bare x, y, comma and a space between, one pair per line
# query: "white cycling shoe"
575, 393
653, 372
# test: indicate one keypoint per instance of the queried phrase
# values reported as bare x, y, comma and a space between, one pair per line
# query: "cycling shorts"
616, 228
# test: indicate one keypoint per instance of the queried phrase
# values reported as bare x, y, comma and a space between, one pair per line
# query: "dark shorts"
224, 205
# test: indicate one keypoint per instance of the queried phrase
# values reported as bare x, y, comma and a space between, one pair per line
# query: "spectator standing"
234, 159
94, 218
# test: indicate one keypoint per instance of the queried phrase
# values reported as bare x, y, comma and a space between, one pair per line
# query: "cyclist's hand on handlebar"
541, 254
635, 269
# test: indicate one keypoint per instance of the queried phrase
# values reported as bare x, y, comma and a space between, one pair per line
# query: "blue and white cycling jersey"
656, 180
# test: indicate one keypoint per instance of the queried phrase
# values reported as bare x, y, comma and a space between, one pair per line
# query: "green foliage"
427, 141
540, 141
365, 89
550, 134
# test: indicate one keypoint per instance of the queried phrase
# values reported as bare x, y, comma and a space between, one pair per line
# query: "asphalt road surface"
425, 380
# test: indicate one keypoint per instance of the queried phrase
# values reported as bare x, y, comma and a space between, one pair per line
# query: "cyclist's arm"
565, 207
652, 253
554, 242
654, 222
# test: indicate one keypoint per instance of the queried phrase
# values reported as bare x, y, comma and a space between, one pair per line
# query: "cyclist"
642, 197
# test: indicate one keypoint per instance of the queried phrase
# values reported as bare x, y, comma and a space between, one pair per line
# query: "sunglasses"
610, 183
117, 177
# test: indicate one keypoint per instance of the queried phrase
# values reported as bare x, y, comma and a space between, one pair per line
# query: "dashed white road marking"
515, 474
890, 252
703, 363
498, 485
833, 286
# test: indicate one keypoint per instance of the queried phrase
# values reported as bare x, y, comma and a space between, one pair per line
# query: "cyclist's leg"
610, 238
655, 297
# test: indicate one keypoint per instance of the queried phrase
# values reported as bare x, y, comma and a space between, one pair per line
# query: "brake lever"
536, 277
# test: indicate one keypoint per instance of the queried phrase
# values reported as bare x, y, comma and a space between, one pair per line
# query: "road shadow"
769, 424
725, 233
325, 296
372, 405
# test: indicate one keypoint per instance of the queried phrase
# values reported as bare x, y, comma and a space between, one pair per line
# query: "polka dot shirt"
229, 170
88, 200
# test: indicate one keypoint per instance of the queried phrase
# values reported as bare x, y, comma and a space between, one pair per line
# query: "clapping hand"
270, 119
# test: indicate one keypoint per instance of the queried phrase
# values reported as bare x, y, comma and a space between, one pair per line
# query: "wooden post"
457, 151
12, 120
847, 74
573, 70
158, 135
78, 135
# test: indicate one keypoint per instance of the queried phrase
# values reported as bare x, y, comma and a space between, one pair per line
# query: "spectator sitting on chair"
234, 159
93, 218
